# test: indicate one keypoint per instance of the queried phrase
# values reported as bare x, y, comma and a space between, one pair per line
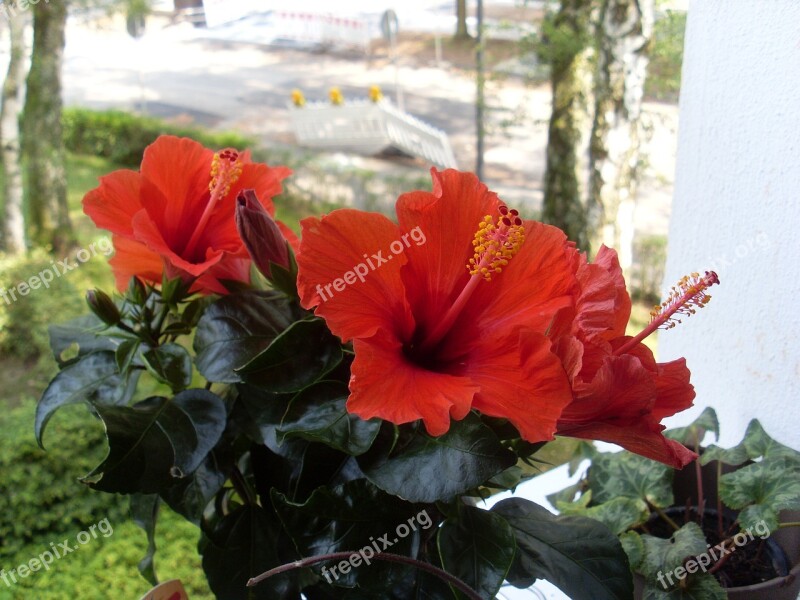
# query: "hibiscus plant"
694, 534
332, 409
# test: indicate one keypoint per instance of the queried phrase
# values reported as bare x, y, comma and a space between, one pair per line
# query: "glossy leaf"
235, 329
579, 555
157, 440
94, 377
144, 512
352, 517
170, 364
190, 496
478, 548
244, 544
429, 469
298, 357
318, 414
84, 334
626, 475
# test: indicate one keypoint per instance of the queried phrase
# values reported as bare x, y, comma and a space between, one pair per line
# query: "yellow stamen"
496, 243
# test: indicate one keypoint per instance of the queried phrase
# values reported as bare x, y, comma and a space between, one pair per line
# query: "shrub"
41, 493
122, 137
24, 321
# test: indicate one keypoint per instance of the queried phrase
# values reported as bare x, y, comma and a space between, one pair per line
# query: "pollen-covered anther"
496, 242
226, 167
688, 295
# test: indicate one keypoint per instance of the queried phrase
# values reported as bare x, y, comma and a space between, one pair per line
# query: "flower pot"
785, 587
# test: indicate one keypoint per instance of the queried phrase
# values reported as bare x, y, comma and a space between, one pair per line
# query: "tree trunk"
623, 37
461, 20
43, 144
13, 238
571, 52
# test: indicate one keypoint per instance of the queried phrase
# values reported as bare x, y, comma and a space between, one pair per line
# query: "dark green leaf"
352, 517
242, 545
126, 354
157, 440
761, 490
144, 512
299, 356
190, 496
170, 364
580, 556
235, 329
85, 333
478, 548
94, 377
693, 433
318, 414
622, 474
429, 469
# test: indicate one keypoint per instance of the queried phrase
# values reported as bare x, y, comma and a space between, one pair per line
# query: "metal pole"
479, 96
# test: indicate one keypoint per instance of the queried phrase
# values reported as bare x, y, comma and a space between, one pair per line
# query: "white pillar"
737, 211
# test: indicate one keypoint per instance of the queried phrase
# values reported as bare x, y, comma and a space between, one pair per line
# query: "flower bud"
103, 306
261, 235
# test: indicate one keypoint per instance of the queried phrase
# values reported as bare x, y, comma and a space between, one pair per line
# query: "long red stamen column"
495, 244
684, 299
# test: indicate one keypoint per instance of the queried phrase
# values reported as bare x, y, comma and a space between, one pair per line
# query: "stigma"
226, 167
496, 242
684, 299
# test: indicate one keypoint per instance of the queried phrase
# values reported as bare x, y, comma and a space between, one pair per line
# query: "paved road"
179, 73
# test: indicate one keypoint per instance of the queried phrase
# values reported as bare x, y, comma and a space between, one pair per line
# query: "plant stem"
307, 562
664, 516
719, 500
789, 524
701, 501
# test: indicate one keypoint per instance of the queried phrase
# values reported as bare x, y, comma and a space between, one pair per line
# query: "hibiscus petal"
133, 258
340, 243
113, 203
384, 384
179, 170
521, 380
538, 282
608, 259
644, 439
147, 232
448, 219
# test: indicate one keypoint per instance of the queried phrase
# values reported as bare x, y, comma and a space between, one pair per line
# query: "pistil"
225, 170
685, 298
495, 243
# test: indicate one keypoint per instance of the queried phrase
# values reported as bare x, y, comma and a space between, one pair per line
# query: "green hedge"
122, 137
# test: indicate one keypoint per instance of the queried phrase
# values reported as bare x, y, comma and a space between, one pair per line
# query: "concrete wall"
737, 211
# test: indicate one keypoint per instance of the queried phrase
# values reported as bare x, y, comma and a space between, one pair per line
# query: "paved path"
182, 74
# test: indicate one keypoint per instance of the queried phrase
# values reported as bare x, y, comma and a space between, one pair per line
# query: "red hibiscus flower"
621, 392
447, 309
177, 213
